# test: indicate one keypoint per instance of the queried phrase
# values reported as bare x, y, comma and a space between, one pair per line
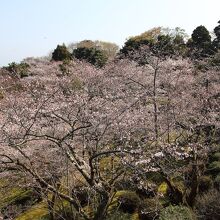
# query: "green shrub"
215, 156
61, 53
92, 55
155, 177
20, 69
119, 216
36, 212
176, 213
128, 202
149, 209
76, 84
216, 60
217, 182
205, 183
208, 205
214, 168
125, 201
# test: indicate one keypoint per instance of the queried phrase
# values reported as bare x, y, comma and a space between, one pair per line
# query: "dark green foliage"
215, 61
92, 55
155, 177
176, 213
19, 69
205, 183
200, 43
214, 168
217, 30
164, 45
215, 156
119, 216
64, 67
216, 42
128, 202
208, 206
217, 182
201, 36
61, 53
149, 209
134, 44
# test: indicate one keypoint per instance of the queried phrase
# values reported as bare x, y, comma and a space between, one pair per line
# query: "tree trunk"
102, 208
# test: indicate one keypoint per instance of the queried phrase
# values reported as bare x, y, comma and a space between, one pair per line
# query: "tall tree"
201, 36
61, 53
216, 41
200, 43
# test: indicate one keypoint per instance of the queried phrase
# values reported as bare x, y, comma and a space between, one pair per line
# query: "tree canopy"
92, 55
61, 53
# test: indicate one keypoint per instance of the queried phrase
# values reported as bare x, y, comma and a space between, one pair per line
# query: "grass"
36, 212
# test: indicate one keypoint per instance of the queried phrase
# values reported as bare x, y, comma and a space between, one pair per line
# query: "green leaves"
91, 55
61, 53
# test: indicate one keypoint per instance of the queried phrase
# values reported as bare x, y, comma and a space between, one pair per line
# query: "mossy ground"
37, 212
12, 194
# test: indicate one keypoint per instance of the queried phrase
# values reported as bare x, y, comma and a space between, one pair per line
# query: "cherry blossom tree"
60, 126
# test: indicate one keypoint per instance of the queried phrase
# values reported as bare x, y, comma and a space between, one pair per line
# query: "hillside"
134, 137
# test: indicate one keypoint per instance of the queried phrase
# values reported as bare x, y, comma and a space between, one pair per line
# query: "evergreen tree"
216, 42
201, 36
61, 53
91, 55
200, 44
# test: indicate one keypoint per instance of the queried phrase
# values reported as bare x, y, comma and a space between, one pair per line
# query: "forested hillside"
97, 132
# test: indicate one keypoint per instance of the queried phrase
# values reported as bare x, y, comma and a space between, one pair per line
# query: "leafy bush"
217, 182
215, 61
125, 201
149, 209
61, 53
119, 216
176, 213
214, 167
92, 55
162, 189
208, 206
205, 183
19, 69
128, 202
215, 156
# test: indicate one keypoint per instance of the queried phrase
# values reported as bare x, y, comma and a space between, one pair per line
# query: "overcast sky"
35, 27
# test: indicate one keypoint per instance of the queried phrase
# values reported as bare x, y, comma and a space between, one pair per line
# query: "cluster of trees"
161, 41
94, 52
175, 42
